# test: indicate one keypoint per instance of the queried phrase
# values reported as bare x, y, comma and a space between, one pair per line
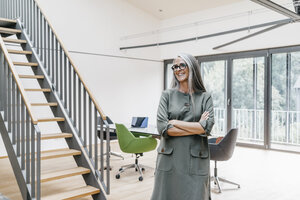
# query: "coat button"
162, 150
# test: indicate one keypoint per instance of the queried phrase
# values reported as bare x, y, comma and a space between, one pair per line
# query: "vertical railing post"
23, 131
74, 97
70, 88
2, 78
27, 148
30, 21
85, 117
34, 26
5, 75
45, 44
79, 110
48, 49
107, 159
9, 102
56, 67
102, 149
90, 128
96, 138
33, 163
13, 115
52, 58
61, 72
37, 31
41, 36
18, 123
65, 82
38, 162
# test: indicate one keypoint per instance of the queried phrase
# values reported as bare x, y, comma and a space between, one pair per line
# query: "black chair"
221, 151
112, 136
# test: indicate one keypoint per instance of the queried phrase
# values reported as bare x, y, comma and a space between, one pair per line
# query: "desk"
150, 130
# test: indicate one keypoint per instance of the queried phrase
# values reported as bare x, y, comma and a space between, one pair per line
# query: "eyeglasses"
179, 67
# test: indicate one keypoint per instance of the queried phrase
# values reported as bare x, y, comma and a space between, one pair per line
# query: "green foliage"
214, 81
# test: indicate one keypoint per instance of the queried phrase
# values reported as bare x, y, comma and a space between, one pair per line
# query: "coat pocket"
164, 159
199, 162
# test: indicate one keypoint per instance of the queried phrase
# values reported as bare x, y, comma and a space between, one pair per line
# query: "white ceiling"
164, 9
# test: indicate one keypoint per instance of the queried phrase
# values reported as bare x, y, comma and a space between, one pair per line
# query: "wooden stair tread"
32, 76
7, 22
74, 194
14, 41
58, 153
19, 52
38, 90
9, 30
26, 64
53, 119
64, 174
44, 104
55, 136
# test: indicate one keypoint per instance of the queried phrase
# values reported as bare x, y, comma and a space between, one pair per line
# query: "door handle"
228, 102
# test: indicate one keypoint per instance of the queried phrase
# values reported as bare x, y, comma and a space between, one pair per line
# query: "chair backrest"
225, 148
124, 136
228, 142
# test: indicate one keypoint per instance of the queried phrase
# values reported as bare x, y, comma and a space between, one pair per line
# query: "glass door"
248, 99
214, 78
285, 112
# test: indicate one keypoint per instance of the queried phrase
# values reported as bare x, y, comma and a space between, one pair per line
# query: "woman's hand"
173, 122
204, 116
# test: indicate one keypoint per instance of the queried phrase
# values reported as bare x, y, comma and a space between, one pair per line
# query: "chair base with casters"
138, 167
217, 179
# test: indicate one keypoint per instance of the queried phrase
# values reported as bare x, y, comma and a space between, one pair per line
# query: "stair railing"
78, 101
23, 134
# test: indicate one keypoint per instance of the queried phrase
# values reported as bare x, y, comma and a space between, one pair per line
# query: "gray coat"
182, 166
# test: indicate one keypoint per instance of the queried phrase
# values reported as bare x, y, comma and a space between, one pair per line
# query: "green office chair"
130, 143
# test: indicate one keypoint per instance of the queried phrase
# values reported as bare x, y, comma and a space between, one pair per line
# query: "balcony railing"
285, 125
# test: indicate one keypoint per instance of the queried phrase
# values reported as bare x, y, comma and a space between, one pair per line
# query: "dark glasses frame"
179, 67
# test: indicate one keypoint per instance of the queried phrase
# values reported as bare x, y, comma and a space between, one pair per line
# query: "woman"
184, 120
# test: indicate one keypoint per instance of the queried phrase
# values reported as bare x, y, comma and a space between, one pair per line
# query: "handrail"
18, 81
103, 116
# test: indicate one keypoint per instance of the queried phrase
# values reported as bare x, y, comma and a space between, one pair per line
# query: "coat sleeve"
162, 115
209, 123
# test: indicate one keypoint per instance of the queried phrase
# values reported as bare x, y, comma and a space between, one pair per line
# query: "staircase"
33, 62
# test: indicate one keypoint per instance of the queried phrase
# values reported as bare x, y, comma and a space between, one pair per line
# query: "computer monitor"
139, 122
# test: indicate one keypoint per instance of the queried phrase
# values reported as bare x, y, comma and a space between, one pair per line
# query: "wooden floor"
263, 175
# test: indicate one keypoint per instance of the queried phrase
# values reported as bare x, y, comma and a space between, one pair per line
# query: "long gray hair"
195, 83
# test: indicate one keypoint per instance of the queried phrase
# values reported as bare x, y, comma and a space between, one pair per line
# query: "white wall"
123, 87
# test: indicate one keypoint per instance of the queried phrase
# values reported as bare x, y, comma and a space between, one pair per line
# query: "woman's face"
181, 74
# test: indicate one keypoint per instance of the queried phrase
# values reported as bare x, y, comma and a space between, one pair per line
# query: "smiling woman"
184, 120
